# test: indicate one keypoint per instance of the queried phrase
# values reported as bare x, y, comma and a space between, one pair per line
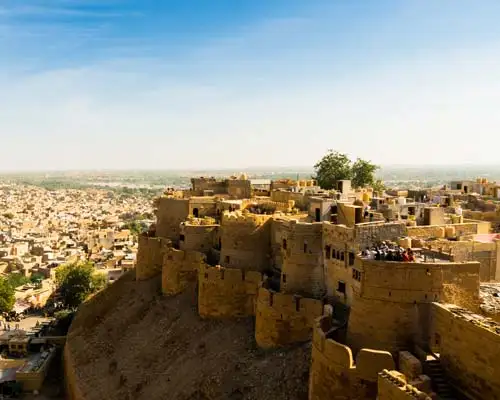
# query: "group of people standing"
387, 252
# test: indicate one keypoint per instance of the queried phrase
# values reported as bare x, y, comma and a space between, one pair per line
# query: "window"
227, 259
284, 244
341, 287
356, 275
196, 212
182, 238
351, 258
305, 247
342, 256
328, 252
283, 277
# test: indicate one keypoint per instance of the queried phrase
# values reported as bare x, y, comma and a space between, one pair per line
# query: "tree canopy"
7, 298
336, 166
77, 281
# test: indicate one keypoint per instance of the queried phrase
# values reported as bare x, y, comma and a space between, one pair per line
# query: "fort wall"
468, 345
224, 292
391, 301
335, 375
392, 385
180, 268
72, 388
170, 213
246, 241
283, 319
438, 231
150, 256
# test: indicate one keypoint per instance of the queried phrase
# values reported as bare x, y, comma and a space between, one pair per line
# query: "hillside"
130, 342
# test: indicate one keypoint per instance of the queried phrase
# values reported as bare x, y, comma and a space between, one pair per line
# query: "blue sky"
240, 83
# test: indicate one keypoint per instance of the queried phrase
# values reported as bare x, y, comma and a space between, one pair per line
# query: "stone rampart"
391, 303
469, 348
150, 256
225, 292
283, 319
392, 385
439, 231
72, 388
335, 375
180, 268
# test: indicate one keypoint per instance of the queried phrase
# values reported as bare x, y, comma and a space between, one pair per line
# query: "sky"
189, 84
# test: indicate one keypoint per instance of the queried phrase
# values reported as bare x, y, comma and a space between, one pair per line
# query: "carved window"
305, 247
227, 259
284, 244
342, 256
182, 238
341, 287
284, 278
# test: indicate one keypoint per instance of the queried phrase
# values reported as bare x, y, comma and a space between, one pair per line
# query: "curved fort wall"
391, 300
335, 375
245, 241
282, 319
224, 292
150, 256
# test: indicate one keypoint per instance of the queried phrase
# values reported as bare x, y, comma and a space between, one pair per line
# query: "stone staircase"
440, 383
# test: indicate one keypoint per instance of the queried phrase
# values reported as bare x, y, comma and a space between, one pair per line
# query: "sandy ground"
131, 342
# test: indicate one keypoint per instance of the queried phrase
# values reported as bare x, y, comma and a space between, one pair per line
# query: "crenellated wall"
179, 269
438, 231
170, 213
390, 306
224, 292
302, 259
246, 241
469, 348
392, 385
283, 319
335, 375
150, 256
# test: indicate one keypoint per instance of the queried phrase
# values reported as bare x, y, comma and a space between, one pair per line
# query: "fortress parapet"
180, 268
335, 375
225, 292
468, 345
391, 300
283, 319
392, 385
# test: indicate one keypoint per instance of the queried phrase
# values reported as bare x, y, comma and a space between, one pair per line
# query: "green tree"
7, 298
15, 280
77, 281
363, 173
334, 166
